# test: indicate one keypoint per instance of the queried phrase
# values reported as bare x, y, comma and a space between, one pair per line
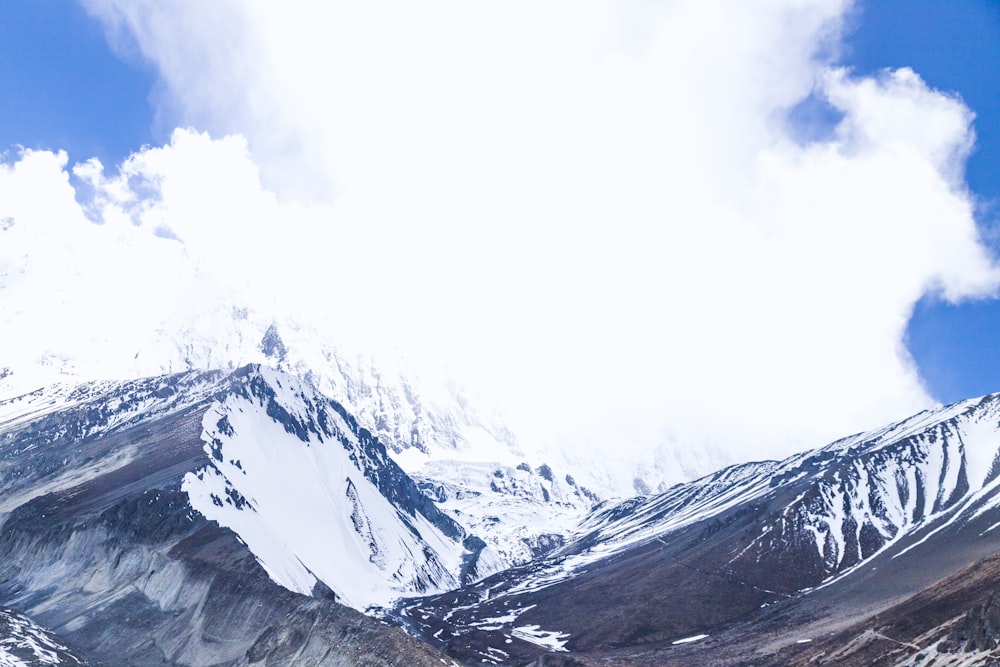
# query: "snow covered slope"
847, 501
521, 512
318, 501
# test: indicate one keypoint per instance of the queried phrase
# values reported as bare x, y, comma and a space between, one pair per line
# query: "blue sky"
954, 46
65, 88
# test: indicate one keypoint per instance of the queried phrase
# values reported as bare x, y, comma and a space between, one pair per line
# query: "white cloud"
592, 211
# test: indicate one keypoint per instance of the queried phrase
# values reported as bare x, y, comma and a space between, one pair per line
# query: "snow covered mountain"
433, 429
433, 417
172, 311
160, 309
422, 420
318, 500
521, 512
235, 517
142, 521
892, 510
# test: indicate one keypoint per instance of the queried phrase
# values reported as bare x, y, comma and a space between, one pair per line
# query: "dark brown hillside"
957, 619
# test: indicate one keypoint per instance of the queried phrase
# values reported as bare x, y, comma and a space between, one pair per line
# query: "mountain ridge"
142, 518
745, 542
101, 543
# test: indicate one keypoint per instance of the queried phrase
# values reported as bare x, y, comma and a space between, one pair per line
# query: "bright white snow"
510, 508
310, 513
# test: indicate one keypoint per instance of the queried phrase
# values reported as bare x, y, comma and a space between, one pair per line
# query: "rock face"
139, 524
980, 631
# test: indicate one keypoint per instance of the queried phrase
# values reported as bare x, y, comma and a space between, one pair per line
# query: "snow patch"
25, 644
552, 640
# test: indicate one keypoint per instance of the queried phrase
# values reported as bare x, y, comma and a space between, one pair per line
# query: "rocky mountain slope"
144, 523
243, 517
836, 534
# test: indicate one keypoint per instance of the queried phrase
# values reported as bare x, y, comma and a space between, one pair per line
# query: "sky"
66, 89
641, 227
952, 46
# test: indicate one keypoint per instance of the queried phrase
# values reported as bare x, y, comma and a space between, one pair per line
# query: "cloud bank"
599, 215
